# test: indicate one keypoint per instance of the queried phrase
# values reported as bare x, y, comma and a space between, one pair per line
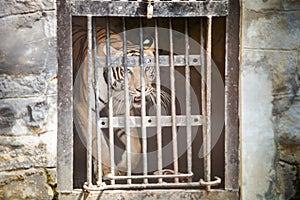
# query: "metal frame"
67, 9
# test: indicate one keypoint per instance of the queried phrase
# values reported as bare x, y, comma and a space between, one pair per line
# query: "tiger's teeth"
137, 98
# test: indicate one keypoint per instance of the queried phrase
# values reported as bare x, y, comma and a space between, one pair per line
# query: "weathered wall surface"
270, 103
28, 68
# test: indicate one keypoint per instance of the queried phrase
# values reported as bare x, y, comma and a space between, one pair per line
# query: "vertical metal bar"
207, 138
96, 89
203, 81
143, 111
89, 111
110, 102
127, 107
231, 98
64, 99
173, 106
188, 101
158, 104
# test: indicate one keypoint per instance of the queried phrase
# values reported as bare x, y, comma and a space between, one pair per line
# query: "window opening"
160, 97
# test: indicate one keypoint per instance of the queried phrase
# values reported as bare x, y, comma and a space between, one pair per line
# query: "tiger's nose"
140, 89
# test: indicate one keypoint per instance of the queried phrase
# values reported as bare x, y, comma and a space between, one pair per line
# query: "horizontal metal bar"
164, 61
144, 186
196, 120
160, 9
110, 176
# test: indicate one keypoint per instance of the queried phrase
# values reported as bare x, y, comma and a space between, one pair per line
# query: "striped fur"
117, 84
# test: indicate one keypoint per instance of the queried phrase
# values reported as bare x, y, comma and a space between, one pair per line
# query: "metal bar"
150, 176
203, 82
160, 8
110, 101
127, 107
163, 60
64, 99
173, 106
151, 121
89, 111
96, 89
158, 104
146, 186
188, 101
231, 98
207, 136
143, 109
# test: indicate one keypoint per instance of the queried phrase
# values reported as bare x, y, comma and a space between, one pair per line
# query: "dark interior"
218, 56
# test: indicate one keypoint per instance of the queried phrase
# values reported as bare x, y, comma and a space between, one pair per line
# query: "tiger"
80, 66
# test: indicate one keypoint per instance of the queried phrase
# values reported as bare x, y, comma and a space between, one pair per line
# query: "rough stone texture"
271, 41
28, 116
271, 30
25, 184
18, 7
28, 71
27, 151
28, 44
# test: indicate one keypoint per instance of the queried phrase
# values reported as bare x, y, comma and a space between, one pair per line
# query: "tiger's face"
133, 75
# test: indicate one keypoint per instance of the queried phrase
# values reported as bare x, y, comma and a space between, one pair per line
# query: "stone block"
287, 176
291, 4
27, 151
25, 184
28, 44
263, 5
24, 6
281, 68
16, 86
28, 116
271, 30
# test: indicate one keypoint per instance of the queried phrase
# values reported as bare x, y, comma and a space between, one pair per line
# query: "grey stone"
263, 5
7, 117
291, 4
271, 30
15, 7
287, 177
33, 116
282, 68
27, 151
28, 44
25, 184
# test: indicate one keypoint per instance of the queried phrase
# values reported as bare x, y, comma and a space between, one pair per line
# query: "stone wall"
270, 102
28, 68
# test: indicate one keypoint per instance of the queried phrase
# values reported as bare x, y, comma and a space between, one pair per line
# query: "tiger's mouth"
137, 99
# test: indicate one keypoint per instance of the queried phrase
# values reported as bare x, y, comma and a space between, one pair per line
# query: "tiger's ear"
149, 44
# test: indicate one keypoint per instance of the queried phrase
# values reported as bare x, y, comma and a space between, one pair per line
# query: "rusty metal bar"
160, 8
150, 176
145, 186
151, 121
188, 101
143, 109
65, 111
163, 60
158, 104
89, 111
203, 83
110, 102
207, 136
96, 89
173, 106
231, 98
127, 106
